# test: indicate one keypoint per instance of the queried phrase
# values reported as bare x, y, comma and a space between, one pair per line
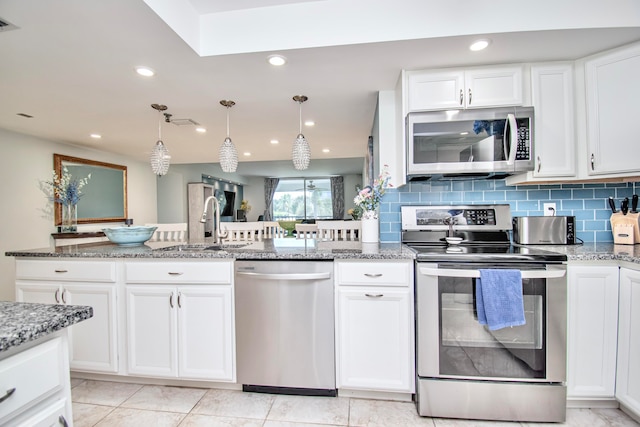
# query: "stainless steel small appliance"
544, 230
470, 142
463, 369
285, 327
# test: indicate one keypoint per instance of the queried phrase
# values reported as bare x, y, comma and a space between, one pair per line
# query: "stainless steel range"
465, 369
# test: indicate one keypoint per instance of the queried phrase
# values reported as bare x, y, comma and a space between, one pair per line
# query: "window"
303, 199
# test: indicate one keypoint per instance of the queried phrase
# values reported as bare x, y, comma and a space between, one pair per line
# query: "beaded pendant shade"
301, 153
228, 152
160, 157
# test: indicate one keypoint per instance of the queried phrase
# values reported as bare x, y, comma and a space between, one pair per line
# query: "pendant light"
160, 155
228, 152
301, 153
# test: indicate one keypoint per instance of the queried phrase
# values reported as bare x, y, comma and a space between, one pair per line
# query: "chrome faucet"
216, 208
450, 221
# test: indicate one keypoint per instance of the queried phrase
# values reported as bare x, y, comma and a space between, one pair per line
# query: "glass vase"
69, 218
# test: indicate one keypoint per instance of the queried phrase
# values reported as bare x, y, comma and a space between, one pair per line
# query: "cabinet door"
40, 293
206, 333
374, 339
628, 385
435, 90
552, 89
592, 331
152, 328
492, 87
93, 343
613, 90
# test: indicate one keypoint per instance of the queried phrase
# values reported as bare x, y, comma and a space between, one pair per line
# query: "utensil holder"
625, 228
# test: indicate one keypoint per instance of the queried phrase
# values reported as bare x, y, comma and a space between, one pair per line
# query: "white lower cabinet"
180, 330
628, 384
592, 331
35, 386
93, 342
374, 326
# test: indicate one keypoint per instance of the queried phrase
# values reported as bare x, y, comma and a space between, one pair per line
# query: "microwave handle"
511, 148
526, 274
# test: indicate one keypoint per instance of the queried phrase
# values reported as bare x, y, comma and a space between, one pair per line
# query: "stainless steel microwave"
472, 142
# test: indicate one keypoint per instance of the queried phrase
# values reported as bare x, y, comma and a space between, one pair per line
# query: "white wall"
26, 216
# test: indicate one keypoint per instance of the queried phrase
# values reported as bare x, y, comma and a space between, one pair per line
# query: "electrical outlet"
549, 209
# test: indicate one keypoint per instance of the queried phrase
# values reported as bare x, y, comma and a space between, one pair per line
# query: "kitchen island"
279, 248
34, 362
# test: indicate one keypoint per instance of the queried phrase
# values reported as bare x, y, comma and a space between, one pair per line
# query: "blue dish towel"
499, 301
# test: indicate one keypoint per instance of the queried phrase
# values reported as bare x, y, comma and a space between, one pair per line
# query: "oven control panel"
468, 217
480, 216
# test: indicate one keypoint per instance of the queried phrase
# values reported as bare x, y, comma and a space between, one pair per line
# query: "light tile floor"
102, 403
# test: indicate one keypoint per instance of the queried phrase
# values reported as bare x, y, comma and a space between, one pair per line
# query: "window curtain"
337, 194
270, 185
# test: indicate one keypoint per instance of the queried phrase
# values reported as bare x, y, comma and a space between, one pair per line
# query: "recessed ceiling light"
479, 45
95, 136
246, 153
276, 60
201, 130
274, 141
325, 150
464, 133
145, 71
309, 123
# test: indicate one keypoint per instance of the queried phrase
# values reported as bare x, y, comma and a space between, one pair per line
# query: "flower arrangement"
65, 189
356, 213
368, 199
245, 206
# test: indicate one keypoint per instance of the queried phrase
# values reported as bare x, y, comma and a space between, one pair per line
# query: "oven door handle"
526, 274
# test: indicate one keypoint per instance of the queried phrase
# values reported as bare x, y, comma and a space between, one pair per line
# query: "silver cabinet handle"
7, 394
63, 421
171, 300
373, 274
60, 271
64, 296
57, 296
469, 97
175, 273
179, 300
539, 164
593, 162
374, 295
461, 96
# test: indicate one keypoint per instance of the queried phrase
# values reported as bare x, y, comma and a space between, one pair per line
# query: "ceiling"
70, 65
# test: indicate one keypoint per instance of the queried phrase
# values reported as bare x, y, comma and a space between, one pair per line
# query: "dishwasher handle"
285, 276
526, 274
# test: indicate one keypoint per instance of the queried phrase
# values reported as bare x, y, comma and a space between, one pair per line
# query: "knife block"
626, 228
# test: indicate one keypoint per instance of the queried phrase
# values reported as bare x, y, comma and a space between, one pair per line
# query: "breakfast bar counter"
277, 249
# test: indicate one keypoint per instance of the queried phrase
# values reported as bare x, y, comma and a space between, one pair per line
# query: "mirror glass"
104, 197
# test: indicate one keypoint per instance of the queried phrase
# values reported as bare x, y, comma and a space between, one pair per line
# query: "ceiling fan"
312, 187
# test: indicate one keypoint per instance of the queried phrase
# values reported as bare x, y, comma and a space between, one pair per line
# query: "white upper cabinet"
612, 93
554, 124
469, 88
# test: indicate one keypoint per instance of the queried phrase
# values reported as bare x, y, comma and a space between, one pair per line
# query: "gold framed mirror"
104, 197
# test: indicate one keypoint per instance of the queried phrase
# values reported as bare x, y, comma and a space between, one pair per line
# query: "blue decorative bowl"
129, 236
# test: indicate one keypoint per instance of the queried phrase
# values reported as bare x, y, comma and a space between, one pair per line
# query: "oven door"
452, 344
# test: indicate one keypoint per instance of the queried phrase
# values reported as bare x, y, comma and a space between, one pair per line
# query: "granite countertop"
279, 248
591, 251
22, 322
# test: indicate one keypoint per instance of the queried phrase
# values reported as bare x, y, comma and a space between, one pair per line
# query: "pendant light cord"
227, 121
300, 105
159, 125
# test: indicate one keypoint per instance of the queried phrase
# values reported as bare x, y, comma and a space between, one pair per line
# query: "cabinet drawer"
64, 270
374, 273
35, 374
178, 272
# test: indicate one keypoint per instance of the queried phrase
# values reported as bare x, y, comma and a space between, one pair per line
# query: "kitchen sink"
199, 248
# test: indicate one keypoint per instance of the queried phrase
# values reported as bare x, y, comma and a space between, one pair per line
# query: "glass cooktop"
484, 253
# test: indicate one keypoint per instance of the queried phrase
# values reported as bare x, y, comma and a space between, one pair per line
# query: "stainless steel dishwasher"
285, 327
